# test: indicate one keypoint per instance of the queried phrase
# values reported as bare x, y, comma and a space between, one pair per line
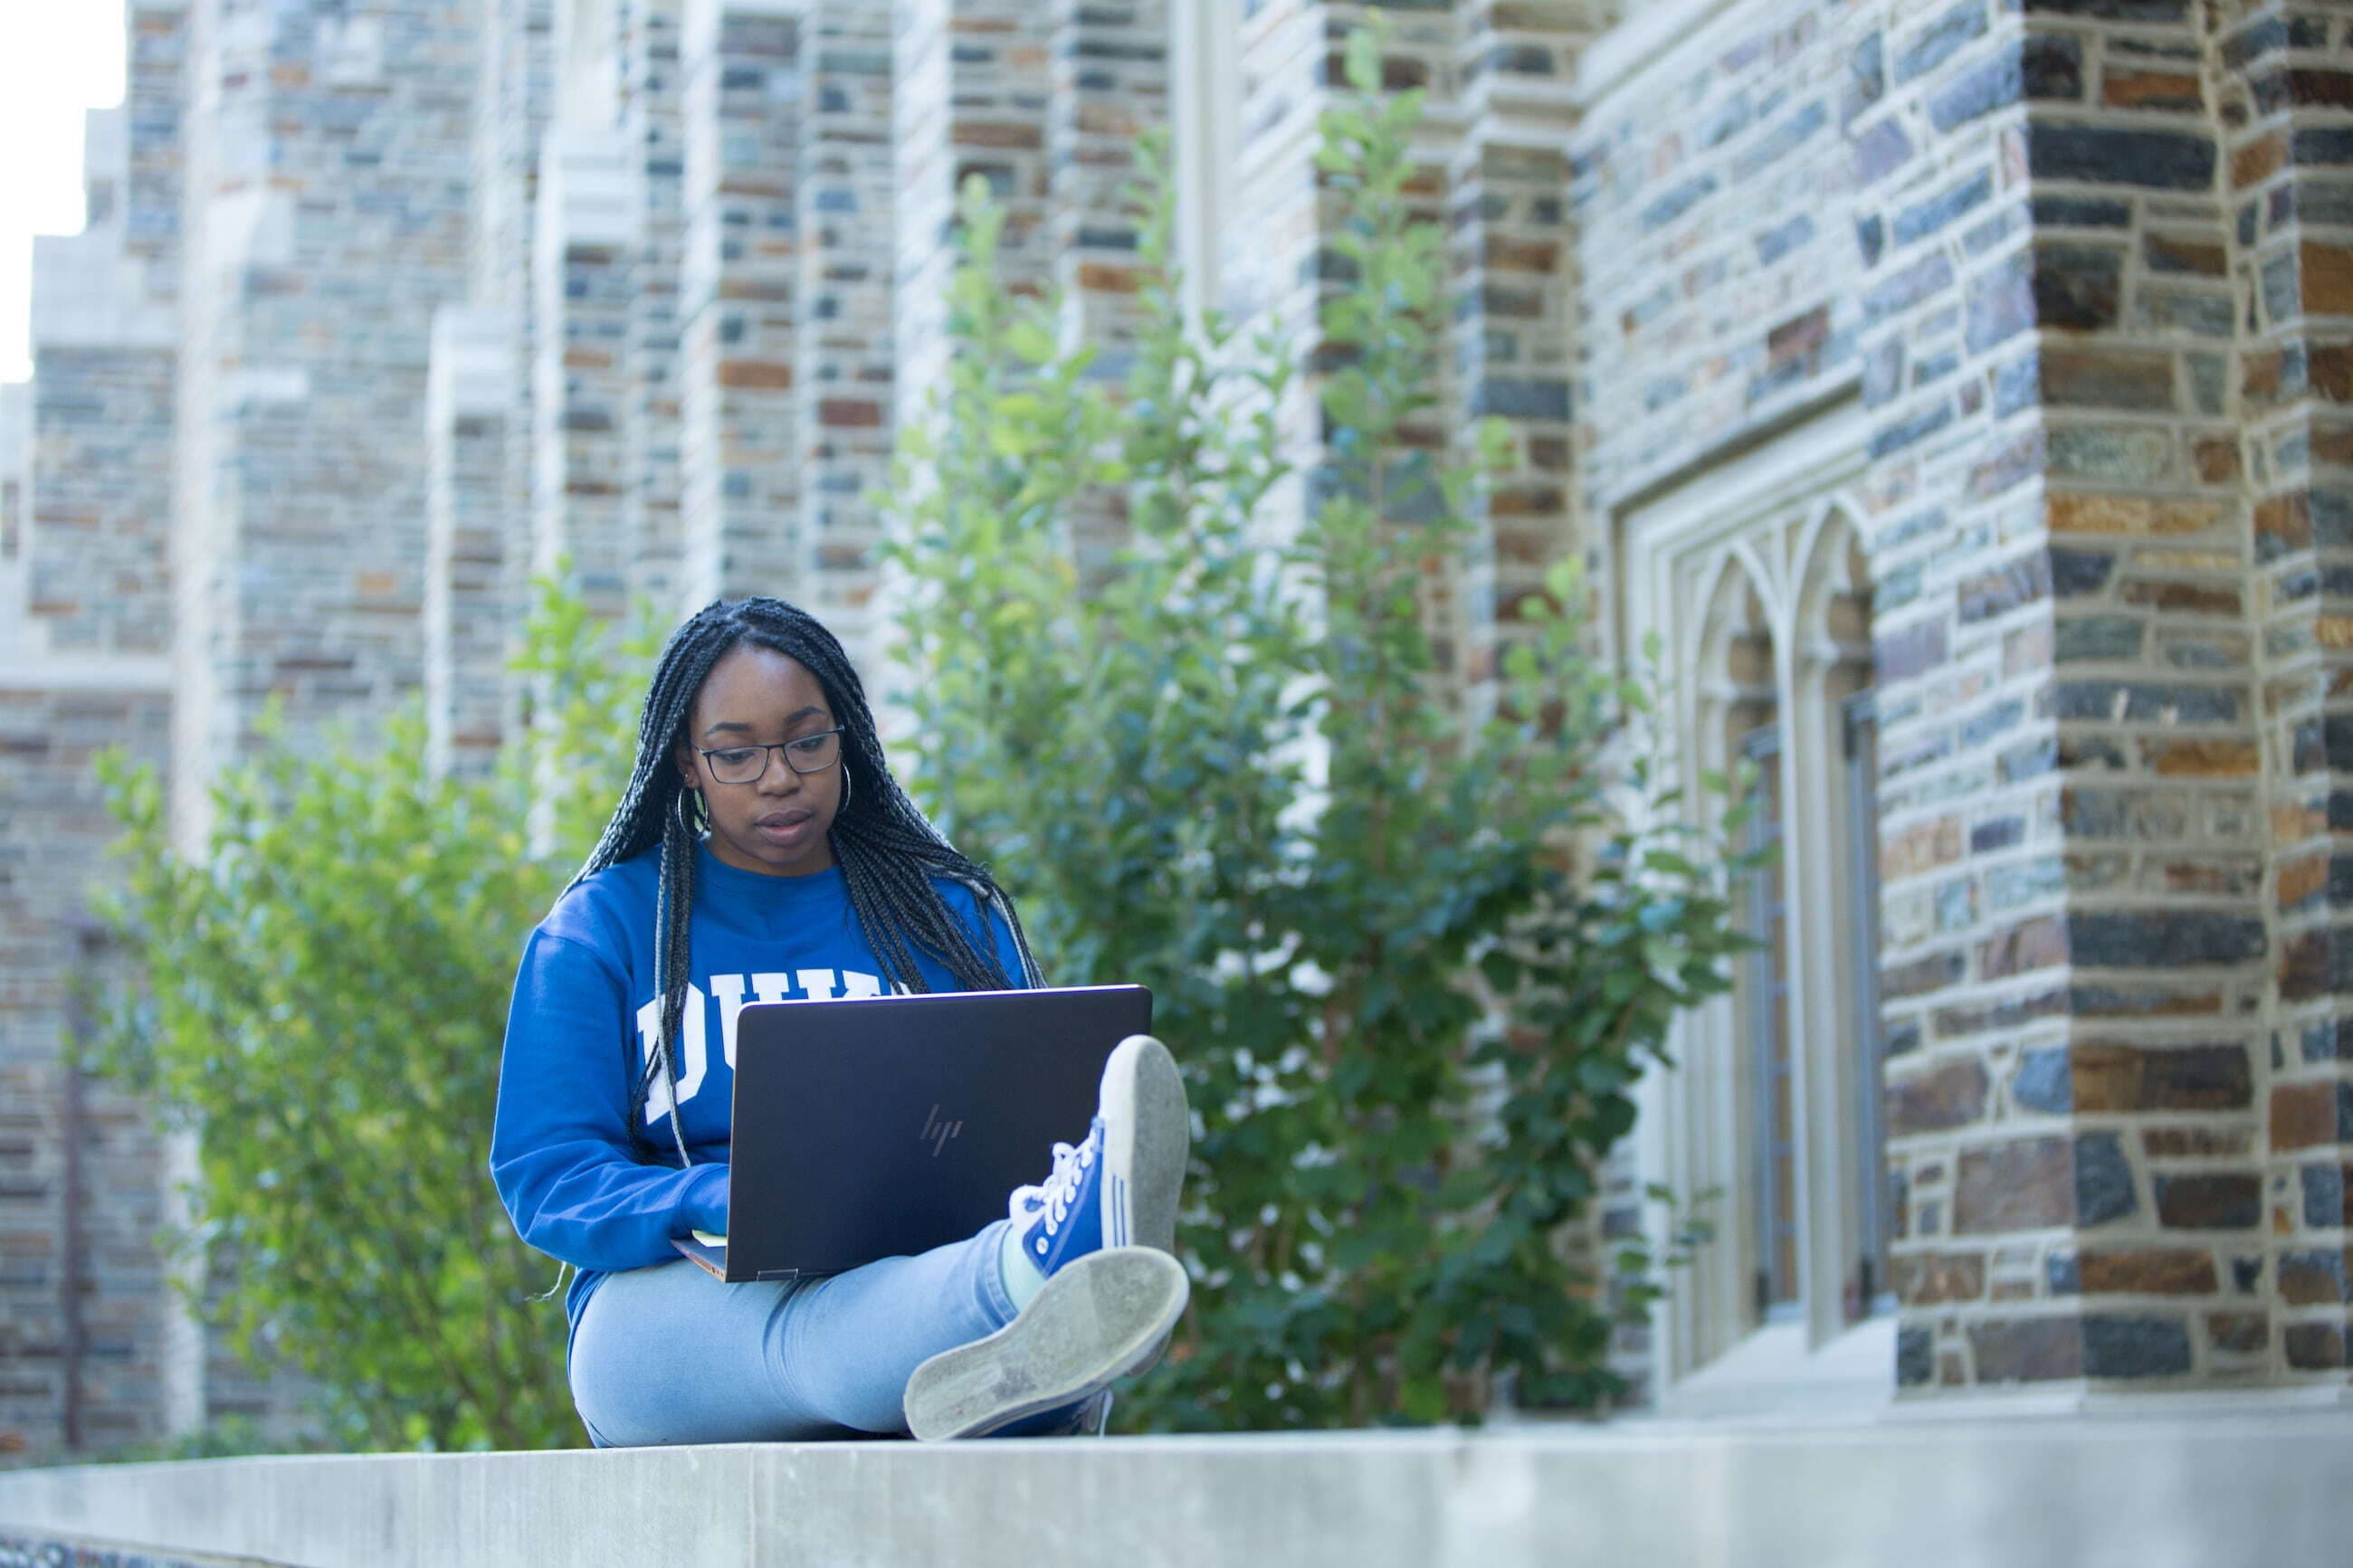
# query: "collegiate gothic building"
1957, 390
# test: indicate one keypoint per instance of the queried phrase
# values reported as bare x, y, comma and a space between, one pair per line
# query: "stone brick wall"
2279, 79
845, 372
741, 439
2153, 691
80, 1308
100, 501
514, 94
326, 158
2065, 255
581, 308
466, 630
651, 83
328, 176
1109, 88
85, 613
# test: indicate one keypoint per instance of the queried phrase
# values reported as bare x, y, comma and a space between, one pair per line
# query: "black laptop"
881, 1126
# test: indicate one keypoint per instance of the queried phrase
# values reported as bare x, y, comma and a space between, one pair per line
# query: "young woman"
762, 851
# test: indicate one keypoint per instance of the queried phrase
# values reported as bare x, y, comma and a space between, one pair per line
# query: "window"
1753, 579
1765, 1008
1859, 924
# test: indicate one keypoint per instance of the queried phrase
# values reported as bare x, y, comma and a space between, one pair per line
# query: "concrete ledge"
2213, 1492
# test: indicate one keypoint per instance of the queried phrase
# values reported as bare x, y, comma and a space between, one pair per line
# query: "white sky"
57, 58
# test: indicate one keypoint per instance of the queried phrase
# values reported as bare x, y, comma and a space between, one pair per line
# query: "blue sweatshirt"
583, 1023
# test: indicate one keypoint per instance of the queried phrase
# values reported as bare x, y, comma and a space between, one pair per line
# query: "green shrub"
327, 988
1413, 964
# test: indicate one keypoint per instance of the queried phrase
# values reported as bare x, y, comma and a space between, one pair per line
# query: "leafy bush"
1413, 964
327, 992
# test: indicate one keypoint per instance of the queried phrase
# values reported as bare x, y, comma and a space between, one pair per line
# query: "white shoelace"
1055, 1195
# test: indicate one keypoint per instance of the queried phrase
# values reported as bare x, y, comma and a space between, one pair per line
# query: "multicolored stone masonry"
1956, 387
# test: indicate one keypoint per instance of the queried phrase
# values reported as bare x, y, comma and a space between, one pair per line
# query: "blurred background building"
1955, 389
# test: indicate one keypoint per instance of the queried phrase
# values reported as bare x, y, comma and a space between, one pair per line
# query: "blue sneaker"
1103, 1316
1100, 1231
1121, 1186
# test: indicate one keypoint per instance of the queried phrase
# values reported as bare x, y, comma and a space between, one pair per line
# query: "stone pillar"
466, 402
328, 218
1109, 88
94, 545
742, 497
651, 81
845, 370
514, 99
1513, 313
2072, 829
325, 219
2153, 687
2281, 76
581, 314
973, 88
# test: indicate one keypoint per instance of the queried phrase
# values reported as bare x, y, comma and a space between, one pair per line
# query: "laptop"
881, 1126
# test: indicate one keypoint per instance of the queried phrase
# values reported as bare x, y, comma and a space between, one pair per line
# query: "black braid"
889, 852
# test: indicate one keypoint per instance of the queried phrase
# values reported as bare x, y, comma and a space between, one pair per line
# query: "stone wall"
466, 625
741, 278
326, 159
2074, 260
652, 81
845, 371
80, 1304
2279, 82
85, 615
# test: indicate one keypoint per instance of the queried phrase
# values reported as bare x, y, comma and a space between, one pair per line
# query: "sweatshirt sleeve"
559, 1149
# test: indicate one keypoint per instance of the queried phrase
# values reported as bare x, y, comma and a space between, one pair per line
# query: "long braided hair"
888, 850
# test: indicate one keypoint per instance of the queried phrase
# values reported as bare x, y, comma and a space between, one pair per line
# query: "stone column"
651, 83
741, 440
1273, 265
467, 399
2280, 74
2071, 840
586, 229
325, 219
973, 88
513, 98
1109, 88
845, 369
1513, 311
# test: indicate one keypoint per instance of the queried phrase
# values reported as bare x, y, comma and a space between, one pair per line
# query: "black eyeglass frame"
706, 753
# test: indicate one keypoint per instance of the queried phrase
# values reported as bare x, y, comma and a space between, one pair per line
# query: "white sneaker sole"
1148, 1134
1102, 1318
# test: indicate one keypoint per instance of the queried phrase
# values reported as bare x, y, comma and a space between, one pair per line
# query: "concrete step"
2211, 1489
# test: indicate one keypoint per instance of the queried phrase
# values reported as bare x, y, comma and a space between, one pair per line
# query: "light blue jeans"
669, 1354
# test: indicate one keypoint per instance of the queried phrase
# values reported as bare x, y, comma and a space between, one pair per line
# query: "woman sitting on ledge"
762, 833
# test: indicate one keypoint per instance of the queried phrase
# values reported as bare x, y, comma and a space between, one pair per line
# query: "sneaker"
1121, 1186
1100, 1318
1089, 1417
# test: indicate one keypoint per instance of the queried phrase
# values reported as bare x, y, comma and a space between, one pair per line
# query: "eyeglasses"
748, 765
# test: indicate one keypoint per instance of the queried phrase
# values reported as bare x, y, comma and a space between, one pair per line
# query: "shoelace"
1055, 1195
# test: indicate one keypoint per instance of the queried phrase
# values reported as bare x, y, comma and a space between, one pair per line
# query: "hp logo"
937, 1132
